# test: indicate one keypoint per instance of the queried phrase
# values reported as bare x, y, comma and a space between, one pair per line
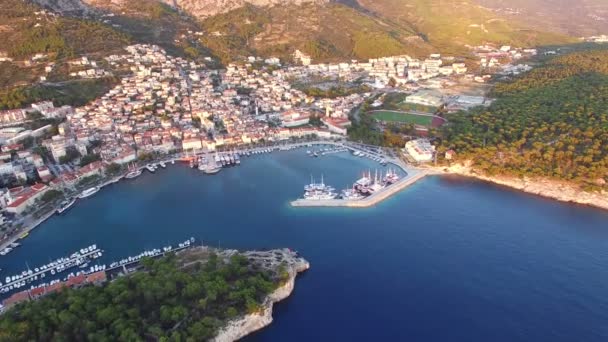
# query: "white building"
426, 98
420, 150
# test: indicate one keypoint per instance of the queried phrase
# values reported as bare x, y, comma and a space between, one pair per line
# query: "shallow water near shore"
445, 259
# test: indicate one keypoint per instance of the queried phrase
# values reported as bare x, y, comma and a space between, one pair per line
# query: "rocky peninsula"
557, 190
245, 325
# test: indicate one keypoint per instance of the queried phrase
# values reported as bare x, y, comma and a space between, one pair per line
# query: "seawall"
245, 325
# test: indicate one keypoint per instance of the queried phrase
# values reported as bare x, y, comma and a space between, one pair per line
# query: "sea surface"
447, 259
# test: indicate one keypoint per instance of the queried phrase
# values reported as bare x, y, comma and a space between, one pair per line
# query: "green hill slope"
449, 24
327, 32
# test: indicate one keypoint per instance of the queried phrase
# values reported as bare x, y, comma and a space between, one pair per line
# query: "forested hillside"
551, 122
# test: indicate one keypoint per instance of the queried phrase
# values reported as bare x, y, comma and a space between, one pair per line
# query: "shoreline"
246, 325
547, 188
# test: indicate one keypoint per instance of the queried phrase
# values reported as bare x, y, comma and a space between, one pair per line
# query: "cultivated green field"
388, 116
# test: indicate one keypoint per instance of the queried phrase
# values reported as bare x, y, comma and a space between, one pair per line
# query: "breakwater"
412, 177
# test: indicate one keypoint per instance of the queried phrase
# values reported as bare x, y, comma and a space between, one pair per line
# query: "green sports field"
402, 118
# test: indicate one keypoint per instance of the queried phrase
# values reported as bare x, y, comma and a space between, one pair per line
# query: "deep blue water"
448, 259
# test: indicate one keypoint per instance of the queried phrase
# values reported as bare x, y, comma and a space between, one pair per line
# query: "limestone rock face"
197, 8
248, 324
206, 8
65, 6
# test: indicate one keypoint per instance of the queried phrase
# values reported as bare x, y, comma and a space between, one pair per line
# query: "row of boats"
212, 164
135, 171
80, 258
380, 160
325, 151
152, 253
10, 247
365, 186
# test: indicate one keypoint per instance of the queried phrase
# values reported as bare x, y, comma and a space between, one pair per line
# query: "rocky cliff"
561, 191
243, 326
206, 8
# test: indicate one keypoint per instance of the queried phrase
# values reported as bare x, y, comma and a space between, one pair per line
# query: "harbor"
413, 240
211, 163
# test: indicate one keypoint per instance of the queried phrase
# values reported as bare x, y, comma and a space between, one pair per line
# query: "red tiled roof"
16, 298
97, 277
39, 291
19, 201
77, 280
54, 287
38, 187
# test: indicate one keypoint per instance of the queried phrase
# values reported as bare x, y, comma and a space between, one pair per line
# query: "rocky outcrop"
561, 191
70, 7
206, 8
197, 8
243, 326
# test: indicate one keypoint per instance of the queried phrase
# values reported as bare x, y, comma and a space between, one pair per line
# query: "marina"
82, 260
213, 163
17, 281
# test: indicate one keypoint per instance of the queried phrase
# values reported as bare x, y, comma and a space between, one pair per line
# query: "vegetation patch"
169, 300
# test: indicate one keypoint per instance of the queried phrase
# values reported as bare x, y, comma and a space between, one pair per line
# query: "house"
192, 144
16, 299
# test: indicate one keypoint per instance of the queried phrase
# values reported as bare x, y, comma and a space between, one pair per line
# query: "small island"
196, 294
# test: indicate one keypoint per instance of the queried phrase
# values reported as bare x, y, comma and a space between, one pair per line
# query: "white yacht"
89, 192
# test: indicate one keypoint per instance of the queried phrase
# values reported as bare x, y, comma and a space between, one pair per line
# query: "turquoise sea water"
446, 259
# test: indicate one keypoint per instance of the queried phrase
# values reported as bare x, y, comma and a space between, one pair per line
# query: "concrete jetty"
412, 177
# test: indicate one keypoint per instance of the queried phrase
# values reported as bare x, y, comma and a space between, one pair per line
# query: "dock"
412, 177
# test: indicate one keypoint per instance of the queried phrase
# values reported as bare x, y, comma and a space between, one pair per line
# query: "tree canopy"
551, 122
164, 301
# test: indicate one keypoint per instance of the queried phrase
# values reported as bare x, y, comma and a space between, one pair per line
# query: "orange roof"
97, 277
77, 280
54, 287
39, 291
38, 187
19, 201
16, 298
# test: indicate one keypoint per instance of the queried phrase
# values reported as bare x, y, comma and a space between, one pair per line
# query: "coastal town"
170, 169
166, 107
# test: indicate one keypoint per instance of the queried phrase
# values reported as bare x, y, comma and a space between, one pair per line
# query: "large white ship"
88, 192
